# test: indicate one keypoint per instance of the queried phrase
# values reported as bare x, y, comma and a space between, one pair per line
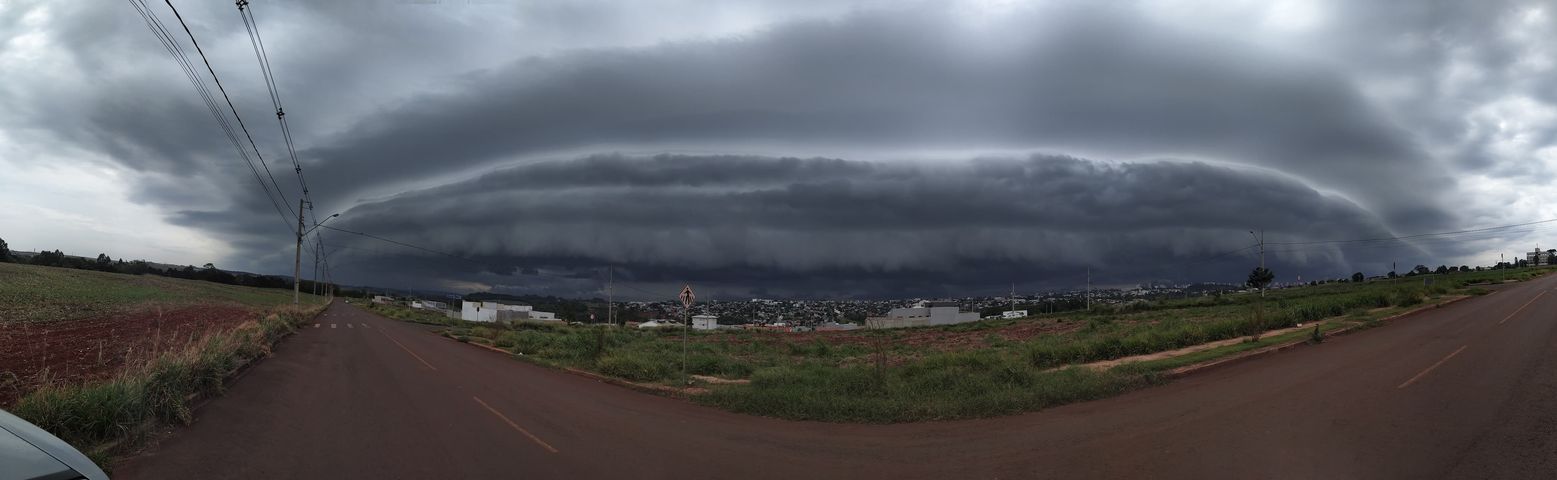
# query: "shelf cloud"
792, 149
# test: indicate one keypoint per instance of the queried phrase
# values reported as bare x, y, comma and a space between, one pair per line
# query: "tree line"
105, 263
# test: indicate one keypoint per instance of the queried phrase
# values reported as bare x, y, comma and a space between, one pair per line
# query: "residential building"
1539, 257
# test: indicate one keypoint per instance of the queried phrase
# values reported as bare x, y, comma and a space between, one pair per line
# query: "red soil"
93, 348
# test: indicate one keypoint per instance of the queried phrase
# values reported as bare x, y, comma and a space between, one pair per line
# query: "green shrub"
635, 367
506, 340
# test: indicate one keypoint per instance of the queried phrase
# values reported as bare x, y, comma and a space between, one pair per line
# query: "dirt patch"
73, 351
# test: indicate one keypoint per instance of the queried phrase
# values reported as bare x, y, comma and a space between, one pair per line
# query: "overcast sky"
791, 148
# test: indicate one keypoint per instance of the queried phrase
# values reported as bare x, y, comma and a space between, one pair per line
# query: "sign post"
686, 306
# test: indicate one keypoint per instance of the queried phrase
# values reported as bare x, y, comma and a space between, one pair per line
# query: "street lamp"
320, 224
297, 257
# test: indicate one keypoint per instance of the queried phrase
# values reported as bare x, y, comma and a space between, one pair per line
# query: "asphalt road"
1463, 391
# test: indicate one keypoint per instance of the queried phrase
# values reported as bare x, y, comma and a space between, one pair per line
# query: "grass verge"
883, 376
114, 416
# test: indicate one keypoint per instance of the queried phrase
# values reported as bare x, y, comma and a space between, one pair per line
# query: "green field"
932, 373
30, 293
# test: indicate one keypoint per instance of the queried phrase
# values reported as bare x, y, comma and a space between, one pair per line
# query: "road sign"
687, 297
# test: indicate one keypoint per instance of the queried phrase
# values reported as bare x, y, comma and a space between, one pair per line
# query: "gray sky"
788, 148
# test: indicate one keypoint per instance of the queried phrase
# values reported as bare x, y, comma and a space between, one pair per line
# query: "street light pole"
297, 256
1260, 240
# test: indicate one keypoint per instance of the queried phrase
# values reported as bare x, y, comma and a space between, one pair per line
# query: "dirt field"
97, 347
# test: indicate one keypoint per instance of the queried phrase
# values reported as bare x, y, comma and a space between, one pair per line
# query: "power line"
164, 37
234, 109
252, 26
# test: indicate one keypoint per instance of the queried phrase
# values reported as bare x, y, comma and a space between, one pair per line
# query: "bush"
717, 364
941, 386
506, 340
635, 367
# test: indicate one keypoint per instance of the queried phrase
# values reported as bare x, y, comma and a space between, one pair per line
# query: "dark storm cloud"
382, 108
903, 82
862, 228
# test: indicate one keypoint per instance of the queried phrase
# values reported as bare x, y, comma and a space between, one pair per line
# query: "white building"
429, 304
705, 322
1013, 314
382, 299
923, 314
495, 311
1538, 257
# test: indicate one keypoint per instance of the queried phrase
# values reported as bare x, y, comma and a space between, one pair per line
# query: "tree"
47, 258
1441, 270
1421, 270
1392, 274
1358, 277
5, 251
1466, 268
1260, 277
209, 266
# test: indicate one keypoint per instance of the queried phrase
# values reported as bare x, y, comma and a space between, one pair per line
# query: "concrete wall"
487, 311
921, 316
705, 322
474, 311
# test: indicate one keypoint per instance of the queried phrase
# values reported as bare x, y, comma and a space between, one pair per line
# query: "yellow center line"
407, 350
1429, 369
1521, 308
515, 425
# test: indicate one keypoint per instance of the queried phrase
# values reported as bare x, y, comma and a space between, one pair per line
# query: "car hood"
28, 452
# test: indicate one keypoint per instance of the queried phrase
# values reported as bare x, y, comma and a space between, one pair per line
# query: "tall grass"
882, 378
943, 386
112, 415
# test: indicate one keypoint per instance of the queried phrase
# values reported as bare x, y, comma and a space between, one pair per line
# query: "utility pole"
610, 299
1260, 240
1013, 297
297, 256
1089, 289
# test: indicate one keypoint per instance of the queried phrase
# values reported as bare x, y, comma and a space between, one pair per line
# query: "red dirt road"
1464, 391
74, 350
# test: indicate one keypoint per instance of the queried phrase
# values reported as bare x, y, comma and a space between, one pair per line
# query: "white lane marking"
1521, 308
515, 425
350, 326
332, 325
1429, 369
365, 326
316, 325
407, 350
